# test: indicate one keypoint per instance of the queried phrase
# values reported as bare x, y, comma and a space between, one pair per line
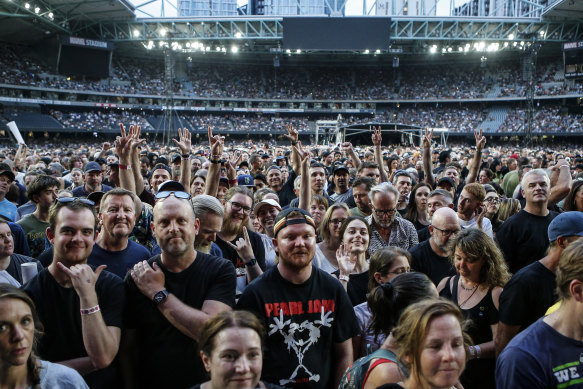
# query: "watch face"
160, 296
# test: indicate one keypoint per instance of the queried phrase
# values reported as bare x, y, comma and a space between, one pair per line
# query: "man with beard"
170, 298
470, 209
117, 216
360, 190
431, 256
266, 211
249, 264
342, 192
522, 237
92, 175
369, 169
210, 212
387, 229
438, 198
310, 317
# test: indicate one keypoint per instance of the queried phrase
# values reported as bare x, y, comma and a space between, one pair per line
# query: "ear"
450, 206
50, 235
377, 278
196, 226
576, 290
431, 229
206, 361
153, 228
562, 242
274, 241
100, 217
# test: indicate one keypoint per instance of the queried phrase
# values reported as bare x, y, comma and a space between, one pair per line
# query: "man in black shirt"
431, 257
306, 312
531, 291
170, 297
523, 237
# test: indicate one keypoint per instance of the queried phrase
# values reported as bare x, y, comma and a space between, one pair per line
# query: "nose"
17, 334
242, 365
447, 353
213, 236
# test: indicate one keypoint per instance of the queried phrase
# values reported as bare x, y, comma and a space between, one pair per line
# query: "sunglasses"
65, 200
178, 194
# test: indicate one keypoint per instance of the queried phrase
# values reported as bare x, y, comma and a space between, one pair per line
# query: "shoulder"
214, 262
54, 375
136, 247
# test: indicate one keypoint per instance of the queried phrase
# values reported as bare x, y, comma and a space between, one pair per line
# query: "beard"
231, 228
203, 246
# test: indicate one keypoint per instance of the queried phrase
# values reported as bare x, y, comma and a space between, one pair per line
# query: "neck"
176, 264
551, 260
381, 230
61, 277
465, 217
111, 243
361, 263
276, 188
4, 262
566, 320
41, 214
469, 283
293, 275
341, 190
538, 209
14, 377
401, 205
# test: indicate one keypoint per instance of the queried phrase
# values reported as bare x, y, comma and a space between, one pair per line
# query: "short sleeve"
513, 303
224, 285
518, 369
346, 323
112, 299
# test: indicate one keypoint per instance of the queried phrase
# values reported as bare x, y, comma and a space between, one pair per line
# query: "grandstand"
235, 74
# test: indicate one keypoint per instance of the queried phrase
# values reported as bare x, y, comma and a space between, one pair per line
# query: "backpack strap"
388, 354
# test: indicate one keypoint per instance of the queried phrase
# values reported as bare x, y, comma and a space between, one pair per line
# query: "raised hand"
243, 247
292, 133
345, 263
149, 280
82, 277
216, 143
184, 142
480, 140
377, 137
426, 142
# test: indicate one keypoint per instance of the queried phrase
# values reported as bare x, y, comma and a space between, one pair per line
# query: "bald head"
444, 227
445, 216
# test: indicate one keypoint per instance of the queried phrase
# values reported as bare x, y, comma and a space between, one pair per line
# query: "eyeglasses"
237, 207
178, 194
66, 200
446, 232
493, 200
337, 221
386, 212
400, 270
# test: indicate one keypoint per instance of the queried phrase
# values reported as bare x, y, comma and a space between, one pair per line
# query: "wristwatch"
160, 297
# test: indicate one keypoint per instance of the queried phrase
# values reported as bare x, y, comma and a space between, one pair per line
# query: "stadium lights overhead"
238, 35
288, 51
36, 10
367, 51
433, 49
298, 51
511, 36
163, 32
136, 33
234, 49
51, 15
26, 5
378, 51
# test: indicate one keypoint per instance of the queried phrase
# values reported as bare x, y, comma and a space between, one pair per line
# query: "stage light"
288, 51
378, 51
136, 33
433, 49
163, 32
511, 36
27, 6
298, 51
51, 15
36, 10
235, 49
366, 51
238, 35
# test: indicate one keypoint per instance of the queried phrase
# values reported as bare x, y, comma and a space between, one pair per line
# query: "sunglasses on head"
65, 200
178, 194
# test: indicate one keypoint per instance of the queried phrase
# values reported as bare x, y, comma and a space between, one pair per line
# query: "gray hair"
535, 172
384, 188
203, 204
443, 193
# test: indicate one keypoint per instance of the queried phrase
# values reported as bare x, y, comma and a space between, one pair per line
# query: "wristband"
294, 143
478, 351
215, 156
215, 160
252, 262
125, 167
564, 165
342, 277
89, 311
185, 156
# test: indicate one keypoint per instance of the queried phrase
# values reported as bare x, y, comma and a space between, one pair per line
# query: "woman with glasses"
385, 264
492, 203
481, 275
19, 331
318, 207
352, 258
325, 257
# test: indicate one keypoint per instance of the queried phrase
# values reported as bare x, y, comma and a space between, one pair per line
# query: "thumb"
99, 270
156, 267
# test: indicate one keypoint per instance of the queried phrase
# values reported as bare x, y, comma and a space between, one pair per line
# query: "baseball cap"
270, 202
8, 173
245, 180
566, 224
95, 196
338, 168
445, 180
171, 186
283, 219
92, 167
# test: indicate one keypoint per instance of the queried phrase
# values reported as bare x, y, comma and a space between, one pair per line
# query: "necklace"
467, 289
475, 288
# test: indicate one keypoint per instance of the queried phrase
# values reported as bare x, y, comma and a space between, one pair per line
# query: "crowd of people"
206, 265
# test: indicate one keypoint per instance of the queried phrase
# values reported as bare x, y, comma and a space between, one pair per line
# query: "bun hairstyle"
389, 300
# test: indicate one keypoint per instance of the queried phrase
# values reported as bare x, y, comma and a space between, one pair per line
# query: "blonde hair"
570, 268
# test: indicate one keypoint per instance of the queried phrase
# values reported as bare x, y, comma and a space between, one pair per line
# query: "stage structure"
392, 133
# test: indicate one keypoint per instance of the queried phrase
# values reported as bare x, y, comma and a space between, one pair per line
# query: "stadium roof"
564, 9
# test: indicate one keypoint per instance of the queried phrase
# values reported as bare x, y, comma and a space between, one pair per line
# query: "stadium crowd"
214, 265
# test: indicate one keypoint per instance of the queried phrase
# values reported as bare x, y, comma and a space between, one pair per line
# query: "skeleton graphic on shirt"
289, 330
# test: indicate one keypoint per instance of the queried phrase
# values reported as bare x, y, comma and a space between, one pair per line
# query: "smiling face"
266, 216
318, 211
16, 332
73, 236
296, 246
236, 359
117, 216
443, 356
174, 226
356, 237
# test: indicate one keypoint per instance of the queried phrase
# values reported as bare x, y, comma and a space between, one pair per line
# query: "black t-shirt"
266, 385
423, 234
357, 287
58, 310
303, 323
286, 193
523, 238
167, 357
528, 295
232, 255
426, 261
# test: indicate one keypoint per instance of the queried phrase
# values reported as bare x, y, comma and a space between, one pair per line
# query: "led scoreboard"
573, 55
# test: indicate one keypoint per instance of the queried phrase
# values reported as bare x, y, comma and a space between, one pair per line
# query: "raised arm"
477, 161
184, 143
427, 165
377, 139
214, 172
560, 182
293, 135
123, 148
349, 151
305, 188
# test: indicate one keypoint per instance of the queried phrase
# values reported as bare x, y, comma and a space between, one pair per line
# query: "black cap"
171, 186
447, 180
281, 221
338, 168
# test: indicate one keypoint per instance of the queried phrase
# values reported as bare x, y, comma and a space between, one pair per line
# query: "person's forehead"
450, 170
384, 197
403, 178
437, 199
296, 229
357, 224
161, 172
317, 170
170, 205
4, 228
241, 198
81, 218
360, 188
532, 178
119, 199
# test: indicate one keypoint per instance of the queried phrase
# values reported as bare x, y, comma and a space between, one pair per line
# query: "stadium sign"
82, 42
573, 55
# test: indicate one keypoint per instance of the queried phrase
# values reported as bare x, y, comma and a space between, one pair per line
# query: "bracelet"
472, 352
252, 262
294, 143
565, 165
216, 156
89, 311
185, 156
478, 351
342, 277
125, 167
215, 160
